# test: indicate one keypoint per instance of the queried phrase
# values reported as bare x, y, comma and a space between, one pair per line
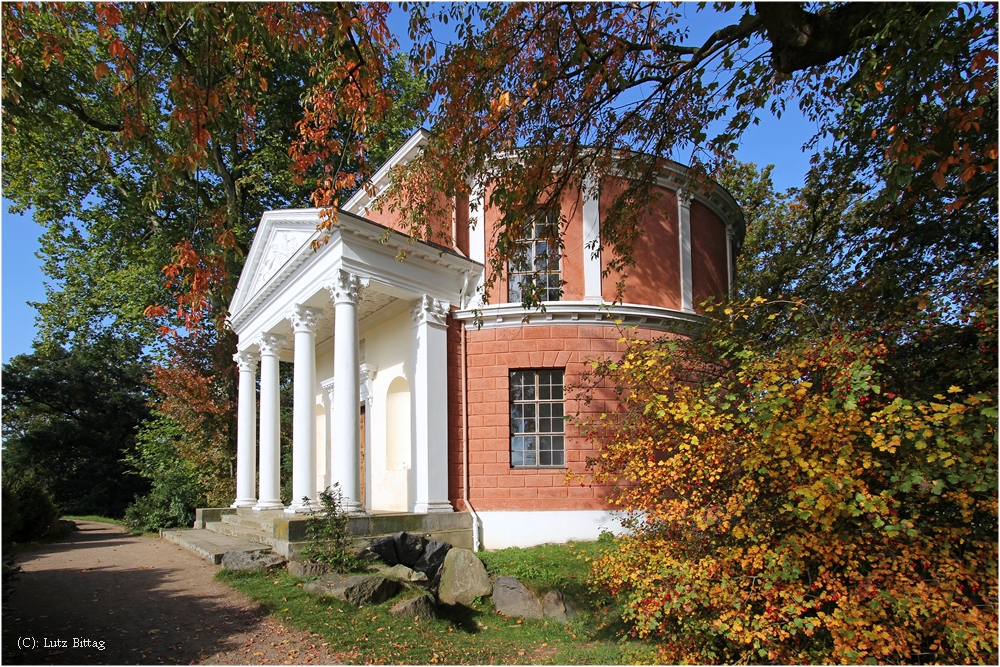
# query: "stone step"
244, 533
247, 521
271, 514
209, 544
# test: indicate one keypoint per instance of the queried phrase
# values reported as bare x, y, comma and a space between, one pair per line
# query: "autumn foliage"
797, 506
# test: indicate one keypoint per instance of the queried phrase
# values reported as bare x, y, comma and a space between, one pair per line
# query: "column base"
303, 507
433, 507
265, 505
353, 507
243, 502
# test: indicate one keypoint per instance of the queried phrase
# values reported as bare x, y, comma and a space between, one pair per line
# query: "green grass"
94, 517
475, 635
106, 519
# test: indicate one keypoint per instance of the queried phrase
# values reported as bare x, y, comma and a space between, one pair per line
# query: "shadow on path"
101, 596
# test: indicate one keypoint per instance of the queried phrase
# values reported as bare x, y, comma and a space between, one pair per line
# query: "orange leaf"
100, 71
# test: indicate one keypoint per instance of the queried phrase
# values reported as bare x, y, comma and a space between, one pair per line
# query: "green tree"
149, 139
906, 93
813, 479
70, 418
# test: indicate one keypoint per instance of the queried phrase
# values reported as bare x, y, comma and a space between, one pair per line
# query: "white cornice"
409, 150
584, 313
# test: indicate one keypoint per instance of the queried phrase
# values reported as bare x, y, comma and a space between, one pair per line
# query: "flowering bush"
790, 506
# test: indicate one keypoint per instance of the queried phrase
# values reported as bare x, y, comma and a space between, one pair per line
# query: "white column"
729, 261
591, 241
346, 428
246, 430
328, 388
684, 234
430, 405
477, 224
303, 319
270, 424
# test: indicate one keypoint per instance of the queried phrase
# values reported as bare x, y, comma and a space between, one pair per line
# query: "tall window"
536, 261
537, 427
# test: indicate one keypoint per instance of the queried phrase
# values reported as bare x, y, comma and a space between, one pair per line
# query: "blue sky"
777, 142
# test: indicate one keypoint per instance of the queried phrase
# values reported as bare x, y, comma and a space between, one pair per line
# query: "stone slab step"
244, 533
210, 545
247, 521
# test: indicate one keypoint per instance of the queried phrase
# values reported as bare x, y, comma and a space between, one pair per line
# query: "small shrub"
171, 504
329, 535
177, 489
28, 509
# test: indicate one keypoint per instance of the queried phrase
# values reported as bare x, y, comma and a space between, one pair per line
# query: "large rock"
385, 549
511, 598
432, 558
419, 607
463, 578
404, 573
409, 548
307, 570
556, 606
359, 589
253, 561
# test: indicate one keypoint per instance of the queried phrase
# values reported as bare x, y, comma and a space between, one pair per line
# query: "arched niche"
398, 434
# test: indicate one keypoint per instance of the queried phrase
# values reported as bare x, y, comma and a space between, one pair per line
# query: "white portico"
367, 335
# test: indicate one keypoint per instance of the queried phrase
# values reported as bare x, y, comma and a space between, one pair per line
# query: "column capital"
684, 197
428, 310
246, 360
328, 387
270, 344
304, 318
346, 287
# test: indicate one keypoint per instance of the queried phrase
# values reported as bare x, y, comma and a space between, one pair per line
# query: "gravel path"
101, 596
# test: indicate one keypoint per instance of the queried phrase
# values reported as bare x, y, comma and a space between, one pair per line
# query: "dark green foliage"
176, 491
70, 418
329, 534
28, 509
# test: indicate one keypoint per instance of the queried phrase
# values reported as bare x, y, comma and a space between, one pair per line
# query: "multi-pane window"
536, 261
537, 427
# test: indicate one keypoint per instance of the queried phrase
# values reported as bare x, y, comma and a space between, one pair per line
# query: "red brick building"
459, 413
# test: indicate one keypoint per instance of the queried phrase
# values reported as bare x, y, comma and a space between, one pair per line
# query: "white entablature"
318, 299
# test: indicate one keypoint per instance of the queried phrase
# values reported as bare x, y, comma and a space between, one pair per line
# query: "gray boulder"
385, 549
403, 573
307, 570
463, 577
418, 607
359, 589
409, 548
556, 606
253, 561
511, 598
432, 558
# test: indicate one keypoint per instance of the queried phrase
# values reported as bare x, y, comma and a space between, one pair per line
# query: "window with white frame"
536, 261
537, 427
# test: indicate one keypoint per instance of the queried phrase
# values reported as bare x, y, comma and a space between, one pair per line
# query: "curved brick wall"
492, 353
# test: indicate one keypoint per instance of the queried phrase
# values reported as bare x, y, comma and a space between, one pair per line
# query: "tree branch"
74, 108
801, 39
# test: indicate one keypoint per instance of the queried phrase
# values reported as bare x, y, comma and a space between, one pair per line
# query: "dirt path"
101, 596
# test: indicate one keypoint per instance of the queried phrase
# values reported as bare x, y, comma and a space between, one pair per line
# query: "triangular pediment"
281, 236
